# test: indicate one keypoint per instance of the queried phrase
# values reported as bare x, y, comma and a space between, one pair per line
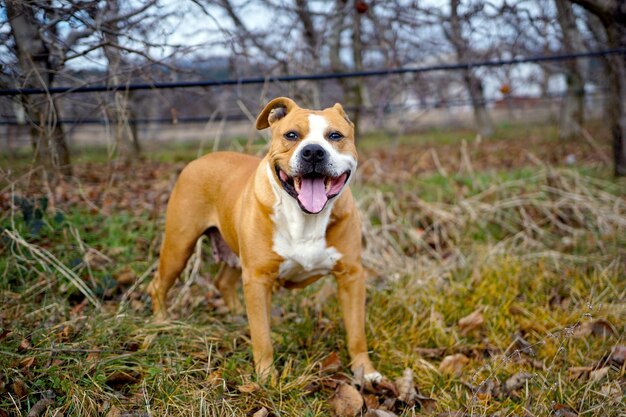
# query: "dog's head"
312, 154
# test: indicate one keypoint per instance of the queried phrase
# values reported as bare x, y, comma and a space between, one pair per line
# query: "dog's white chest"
304, 259
300, 239
302, 244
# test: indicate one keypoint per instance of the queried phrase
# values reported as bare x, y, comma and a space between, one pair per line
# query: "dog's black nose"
313, 153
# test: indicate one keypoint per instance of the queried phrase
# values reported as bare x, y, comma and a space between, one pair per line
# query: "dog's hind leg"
182, 231
227, 281
174, 256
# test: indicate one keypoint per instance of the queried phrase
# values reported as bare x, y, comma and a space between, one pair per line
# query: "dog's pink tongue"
313, 194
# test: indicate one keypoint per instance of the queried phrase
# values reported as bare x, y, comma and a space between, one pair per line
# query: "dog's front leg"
351, 295
257, 292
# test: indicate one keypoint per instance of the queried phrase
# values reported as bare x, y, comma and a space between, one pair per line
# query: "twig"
40, 407
438, 165
594, 144
46, 260
138, 281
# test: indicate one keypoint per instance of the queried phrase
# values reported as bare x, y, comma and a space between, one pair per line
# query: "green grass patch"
537, 252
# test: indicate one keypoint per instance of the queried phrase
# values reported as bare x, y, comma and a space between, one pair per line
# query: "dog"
287, 219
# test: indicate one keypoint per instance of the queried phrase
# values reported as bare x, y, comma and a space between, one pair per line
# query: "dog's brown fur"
232, 192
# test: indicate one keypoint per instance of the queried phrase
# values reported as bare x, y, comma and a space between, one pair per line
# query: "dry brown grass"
538, 253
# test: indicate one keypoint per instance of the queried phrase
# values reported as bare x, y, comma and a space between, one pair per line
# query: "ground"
496, 287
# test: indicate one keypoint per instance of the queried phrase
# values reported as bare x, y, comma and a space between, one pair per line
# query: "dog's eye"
335, 136
291, 135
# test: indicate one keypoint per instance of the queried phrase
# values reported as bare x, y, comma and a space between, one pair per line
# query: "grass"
539, 251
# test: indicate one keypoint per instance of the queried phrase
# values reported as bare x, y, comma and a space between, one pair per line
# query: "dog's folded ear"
274, 111
343, 114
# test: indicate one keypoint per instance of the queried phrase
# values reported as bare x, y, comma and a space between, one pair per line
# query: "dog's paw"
160, 318
376, 383
373, 377
267, 375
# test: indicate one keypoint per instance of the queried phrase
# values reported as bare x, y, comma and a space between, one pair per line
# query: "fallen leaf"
119, 379
261, 413
66, 333
488, 389
331, 364
40, 407
388, 404
249, 387
430, 353
371, 401
599, 374
24, 345
427, 404
137, 305
576, 372
347, 401
612, 390
131, 346
95, 259
517, 381
93, 356
78, 308
381, 387
27, 363
598, 328
215, 378
125, 277
379, 413
618, 355
4, 333
114, 412
561, 410
471, 322
406, 388
311, 388
358, 376
453, 364
19, 388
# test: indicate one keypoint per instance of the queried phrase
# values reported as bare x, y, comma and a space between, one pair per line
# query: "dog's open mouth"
312, 190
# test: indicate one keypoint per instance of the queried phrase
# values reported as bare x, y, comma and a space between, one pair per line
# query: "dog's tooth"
297, 182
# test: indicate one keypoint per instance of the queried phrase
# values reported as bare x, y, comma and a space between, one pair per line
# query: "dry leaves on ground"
453, 364
598, 328
347, 401
355, 396
249, 387
471, 322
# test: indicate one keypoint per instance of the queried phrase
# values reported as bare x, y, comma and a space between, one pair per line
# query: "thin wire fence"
310, 77
400, 99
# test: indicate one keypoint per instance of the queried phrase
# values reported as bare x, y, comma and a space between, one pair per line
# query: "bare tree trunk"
311, 38
474, 86
595, 27
612, 14
617, 106
122, 114
353, 90
479, 104
358, 88
573, 106
50, 148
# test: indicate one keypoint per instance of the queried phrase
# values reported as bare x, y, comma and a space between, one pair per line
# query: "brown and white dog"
286, 219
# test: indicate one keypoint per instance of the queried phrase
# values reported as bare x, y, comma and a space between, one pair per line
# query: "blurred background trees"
59, 43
